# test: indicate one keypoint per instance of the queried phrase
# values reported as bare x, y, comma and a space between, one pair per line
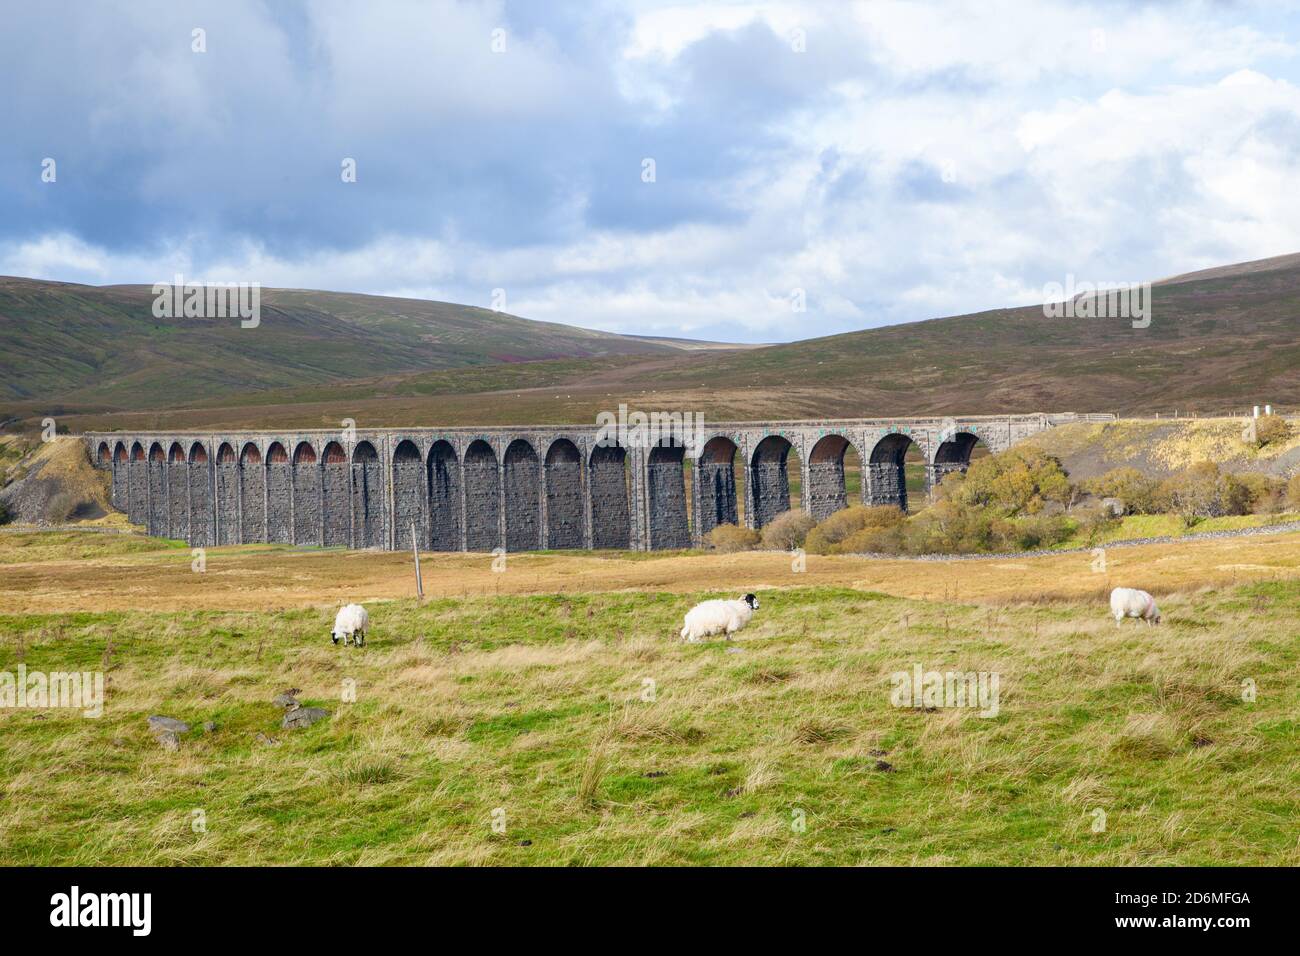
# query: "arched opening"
611, 523
775, 479
563, 495
719, 496
896, 472
227, 484
137, 452
523, 478
334, 495
102, 454
367, 497
279, 495
306, 495
252, 490
408, 494
119, 453
443, 478
828, 488
955, 454
200, 496
666, 497
482, 501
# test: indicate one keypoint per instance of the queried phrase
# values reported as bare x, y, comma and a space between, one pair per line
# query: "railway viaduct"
521, 489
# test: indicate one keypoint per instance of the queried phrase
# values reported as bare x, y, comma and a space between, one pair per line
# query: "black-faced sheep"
718, 617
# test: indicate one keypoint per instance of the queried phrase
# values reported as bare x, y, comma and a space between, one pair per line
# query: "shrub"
1263, 493
729, 537
1202, 491
1271, 430
1094, 521
830, 535
1020, 480
1136, 490
62, 507
788, 530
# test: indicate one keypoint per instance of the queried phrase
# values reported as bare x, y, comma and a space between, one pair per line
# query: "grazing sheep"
718, 617
352, 621
1130, 602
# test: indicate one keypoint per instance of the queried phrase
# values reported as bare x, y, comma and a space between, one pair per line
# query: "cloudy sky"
895, 161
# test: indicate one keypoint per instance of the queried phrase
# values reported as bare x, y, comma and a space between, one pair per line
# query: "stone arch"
563, 495
337, 530
120, 453
827, 490
954, 453
279, 494
138, 486
666, 497
523, 494
199, 488
252, 494
482, 502
442, 476
769, 479
719, 501
887, 470
611, 522
306, 495
408, 494
367, 497
227, 489
103, 455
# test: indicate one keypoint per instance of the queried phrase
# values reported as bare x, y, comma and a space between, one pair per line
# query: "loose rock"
303, 717
170, 724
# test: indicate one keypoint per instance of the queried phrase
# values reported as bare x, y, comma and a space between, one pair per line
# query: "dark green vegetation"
534, 711
1217, 340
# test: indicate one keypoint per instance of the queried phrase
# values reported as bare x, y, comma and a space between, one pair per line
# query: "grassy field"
554, 701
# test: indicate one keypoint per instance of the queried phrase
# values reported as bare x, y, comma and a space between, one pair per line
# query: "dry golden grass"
41, 578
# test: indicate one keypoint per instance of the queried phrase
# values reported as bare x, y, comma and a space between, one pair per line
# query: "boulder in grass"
168, 724
168, 740
303, 717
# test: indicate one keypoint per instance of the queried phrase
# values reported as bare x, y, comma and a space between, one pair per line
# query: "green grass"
603, 740
1131, 527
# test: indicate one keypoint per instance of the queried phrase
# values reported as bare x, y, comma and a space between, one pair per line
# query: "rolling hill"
1218, 340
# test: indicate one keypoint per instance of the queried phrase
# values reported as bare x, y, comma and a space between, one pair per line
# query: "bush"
62, 507
1138, 492
1094, 520
829, 536
729, 538
1202, 491
1271, 430
1263, 493
788, 530
1020, 480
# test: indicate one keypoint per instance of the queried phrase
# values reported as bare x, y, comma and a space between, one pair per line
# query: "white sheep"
718, 617
1130, 602
352, 621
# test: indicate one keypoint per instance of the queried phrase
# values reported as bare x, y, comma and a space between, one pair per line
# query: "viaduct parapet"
521, 489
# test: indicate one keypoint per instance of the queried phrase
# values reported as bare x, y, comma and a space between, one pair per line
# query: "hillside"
1219, 340
101, 347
